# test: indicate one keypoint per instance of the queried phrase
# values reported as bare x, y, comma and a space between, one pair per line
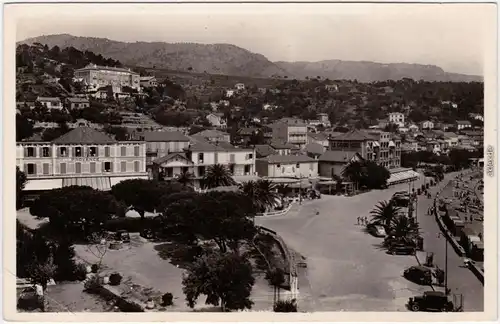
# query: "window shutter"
45, 168
40, 152
106, 151
102, 166
34, 168
25, 168
63, 168
136, 150
123, 166
92, 167
136, 166
111, 166
25, 152
73, 151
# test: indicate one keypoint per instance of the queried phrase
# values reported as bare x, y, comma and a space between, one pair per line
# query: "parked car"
431, 300
419, 274
401, 248
123, 236
376, 230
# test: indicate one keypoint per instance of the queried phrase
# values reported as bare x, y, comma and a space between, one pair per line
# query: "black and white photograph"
250, 159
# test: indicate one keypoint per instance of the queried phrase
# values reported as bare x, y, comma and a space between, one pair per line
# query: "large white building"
397, 118
83, 156
291, 130
95, 77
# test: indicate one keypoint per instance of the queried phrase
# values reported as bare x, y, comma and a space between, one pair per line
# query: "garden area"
154, 263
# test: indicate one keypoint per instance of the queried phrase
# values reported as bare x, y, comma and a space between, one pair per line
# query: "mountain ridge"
229, 59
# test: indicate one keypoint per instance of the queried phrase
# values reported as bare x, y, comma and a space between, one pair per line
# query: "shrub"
115, 279
80, 271
285, 306
129, 224
95, 268
168, 299
93, 284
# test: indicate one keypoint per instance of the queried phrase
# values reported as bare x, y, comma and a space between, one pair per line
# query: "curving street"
346, 270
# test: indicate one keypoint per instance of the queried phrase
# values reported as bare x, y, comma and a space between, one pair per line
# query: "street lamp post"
440, 235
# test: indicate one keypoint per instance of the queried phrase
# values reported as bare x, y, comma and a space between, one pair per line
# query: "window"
311, 167
78, 151
46, 152
92, 167
136, 150
78, 167
63, 168
31, 168
63, 151
106, 151
93, 151
250, 156
123, 166
108, 167
185, 169
201, 171
231, 168
200, 157
169, 172
136, 166
123, 150
46, 168
247, 169
278, 166
30, 152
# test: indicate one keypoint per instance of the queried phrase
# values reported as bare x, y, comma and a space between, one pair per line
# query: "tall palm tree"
186, 178
404, 228
262, 193
384, 213
218, 175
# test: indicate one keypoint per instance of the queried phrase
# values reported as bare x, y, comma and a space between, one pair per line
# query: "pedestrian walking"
357, 218
366, 220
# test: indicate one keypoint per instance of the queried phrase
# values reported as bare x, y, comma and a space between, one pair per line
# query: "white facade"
397, 118
217, 120
100, 76
50, 103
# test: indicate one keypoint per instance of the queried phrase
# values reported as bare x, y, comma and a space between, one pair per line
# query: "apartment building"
291, 130
381, 147
397, 118
78, 103
287, 166
83, 156
161, 143
95, 77
200, 155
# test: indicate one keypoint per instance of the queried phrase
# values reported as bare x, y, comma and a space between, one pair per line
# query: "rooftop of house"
210, 133
200, 144
48, 99
167, 157
337, 156
318, 136
280, 145
449, 134
78, 100
84, 135
354, 135
276, 158
263, 150
314, 148
147, 78
107, 68
463, 122
164, 137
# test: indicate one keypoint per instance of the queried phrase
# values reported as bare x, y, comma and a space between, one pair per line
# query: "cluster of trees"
215, 226
398, 225
367, 174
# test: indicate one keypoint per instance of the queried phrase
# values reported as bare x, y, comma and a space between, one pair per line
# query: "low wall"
276, 213
289, 259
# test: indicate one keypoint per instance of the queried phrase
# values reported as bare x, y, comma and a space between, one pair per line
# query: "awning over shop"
245, 178
98, 183
403, 176
304, 184
43, 184
284, 180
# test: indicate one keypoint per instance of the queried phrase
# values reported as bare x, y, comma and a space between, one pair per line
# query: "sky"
452, 36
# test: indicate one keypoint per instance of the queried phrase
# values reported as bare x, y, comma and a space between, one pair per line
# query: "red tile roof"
84, 135
354, 135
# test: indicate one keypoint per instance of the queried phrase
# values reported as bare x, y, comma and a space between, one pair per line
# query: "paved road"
346, 268
460, 280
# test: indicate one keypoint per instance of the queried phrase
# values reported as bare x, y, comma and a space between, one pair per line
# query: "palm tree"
218, 175
403, 228
384, 213
262, 193
186, 178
